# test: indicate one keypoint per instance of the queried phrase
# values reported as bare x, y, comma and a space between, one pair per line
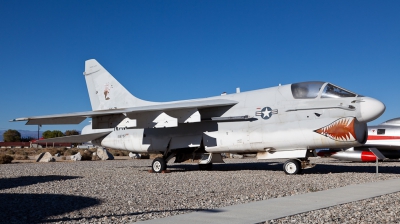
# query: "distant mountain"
24, 134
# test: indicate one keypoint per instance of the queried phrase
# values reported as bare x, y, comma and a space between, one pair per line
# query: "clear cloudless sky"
175, 50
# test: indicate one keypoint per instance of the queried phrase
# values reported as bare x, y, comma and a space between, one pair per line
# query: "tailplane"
105, 91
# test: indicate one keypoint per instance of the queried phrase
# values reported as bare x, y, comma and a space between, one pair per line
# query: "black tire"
158, 165
207, 166
292, 167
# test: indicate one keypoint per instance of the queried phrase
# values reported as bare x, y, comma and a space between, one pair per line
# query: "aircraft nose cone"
371, 109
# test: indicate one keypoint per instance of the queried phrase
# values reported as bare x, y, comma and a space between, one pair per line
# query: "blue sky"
174, 50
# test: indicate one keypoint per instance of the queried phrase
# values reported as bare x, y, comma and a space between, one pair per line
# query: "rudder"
105, 92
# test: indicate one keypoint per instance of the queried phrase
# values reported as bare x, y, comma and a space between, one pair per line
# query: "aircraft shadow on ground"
138, 213
327, 168
274, 166
6, 183
35, 208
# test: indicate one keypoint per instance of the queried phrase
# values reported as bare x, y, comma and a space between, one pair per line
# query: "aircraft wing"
154, 111
75, 138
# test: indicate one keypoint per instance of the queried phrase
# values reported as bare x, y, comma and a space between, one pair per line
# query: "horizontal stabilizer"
75, 138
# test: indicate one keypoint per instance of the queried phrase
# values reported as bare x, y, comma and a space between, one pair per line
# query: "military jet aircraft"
286, 121
383, 142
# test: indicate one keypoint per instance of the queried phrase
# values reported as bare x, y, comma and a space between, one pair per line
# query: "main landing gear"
206, 160
159, 164
296, 166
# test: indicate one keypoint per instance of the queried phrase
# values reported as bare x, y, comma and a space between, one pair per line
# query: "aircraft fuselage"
287, 121
266, 120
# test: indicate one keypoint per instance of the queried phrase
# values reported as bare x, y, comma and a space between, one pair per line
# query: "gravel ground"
384, 209
123, 191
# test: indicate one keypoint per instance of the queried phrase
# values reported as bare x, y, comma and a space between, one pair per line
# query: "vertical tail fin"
105, 91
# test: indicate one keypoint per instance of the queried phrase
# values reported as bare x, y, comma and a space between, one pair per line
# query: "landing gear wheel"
158, 165
292, 166
207, 166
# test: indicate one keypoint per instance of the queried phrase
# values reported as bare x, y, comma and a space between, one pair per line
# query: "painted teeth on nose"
339, 130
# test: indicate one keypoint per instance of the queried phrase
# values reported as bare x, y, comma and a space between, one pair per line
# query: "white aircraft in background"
288, 121
383, 142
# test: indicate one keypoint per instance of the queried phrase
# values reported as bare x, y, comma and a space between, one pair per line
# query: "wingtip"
18, 119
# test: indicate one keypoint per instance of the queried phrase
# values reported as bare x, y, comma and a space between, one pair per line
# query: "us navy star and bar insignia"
266, 112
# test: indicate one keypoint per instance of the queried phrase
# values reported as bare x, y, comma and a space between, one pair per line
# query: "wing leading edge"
147, 116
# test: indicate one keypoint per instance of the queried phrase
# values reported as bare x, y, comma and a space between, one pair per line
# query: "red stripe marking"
367, 156
378, 137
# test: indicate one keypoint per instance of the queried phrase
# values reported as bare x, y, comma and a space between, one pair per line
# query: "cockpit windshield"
310, 90
331, 91
306, 90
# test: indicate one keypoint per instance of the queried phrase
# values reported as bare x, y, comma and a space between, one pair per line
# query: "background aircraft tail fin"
105, 91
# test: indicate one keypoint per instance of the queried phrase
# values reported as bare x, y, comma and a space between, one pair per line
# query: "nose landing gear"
292, 166
296, 166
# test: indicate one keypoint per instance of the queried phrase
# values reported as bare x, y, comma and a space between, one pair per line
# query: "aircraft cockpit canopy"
311, 90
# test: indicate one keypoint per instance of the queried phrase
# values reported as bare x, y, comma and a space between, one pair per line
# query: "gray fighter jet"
286, 121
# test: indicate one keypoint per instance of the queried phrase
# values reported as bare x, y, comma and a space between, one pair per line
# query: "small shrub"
313, 189
21, 157
21, 154
116, 152
53, 151
70, 152
153, 156
95, 157
87, 155
5, 159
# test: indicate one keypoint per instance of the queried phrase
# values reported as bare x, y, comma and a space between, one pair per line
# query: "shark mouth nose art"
342, 130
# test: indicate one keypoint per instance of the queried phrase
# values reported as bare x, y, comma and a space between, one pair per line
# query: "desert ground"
123, 190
